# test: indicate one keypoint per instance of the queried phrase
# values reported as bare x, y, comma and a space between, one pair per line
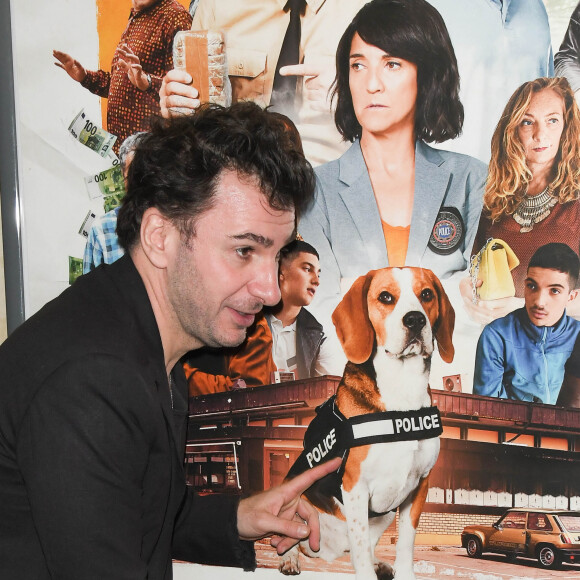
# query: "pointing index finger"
300, 70
302, 482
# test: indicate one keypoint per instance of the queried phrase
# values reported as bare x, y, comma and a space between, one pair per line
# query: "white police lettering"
320, 451
406, 424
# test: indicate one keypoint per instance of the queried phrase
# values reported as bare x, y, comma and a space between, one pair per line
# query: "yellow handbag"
493, 265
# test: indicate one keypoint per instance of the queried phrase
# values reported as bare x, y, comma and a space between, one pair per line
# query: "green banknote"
108, 182
112, 201
75, 268
91, 135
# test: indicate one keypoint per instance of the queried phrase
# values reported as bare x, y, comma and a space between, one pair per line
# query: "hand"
177, 96
486, 311
129, 62
73, 68
317, 84
281, 511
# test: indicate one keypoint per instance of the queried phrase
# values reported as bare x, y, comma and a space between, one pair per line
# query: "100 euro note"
105, 183
91, 135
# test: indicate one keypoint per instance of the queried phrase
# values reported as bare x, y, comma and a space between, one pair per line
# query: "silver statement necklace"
533, 209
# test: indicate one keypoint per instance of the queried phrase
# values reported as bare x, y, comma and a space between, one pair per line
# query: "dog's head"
399, 310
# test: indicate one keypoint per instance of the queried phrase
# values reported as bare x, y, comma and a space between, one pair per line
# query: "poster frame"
9, 179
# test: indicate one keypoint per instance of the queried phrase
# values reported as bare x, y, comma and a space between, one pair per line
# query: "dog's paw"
290, 563
383, 571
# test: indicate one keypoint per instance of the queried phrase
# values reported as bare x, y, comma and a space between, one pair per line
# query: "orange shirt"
251, 361
397, 241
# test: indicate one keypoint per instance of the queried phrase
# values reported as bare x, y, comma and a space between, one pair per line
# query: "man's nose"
264, 286
541, 299
315, 279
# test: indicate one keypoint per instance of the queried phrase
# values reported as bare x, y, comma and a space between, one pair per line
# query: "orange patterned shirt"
149, 34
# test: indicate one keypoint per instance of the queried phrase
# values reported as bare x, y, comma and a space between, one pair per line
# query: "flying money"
108, 182
91, 135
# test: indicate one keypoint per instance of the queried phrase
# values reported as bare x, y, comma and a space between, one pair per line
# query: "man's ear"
573, 295
157, 233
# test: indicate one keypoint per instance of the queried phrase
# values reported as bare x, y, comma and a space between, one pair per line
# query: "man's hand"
281, 511
73, 68
129, 62
317, 84
177, 96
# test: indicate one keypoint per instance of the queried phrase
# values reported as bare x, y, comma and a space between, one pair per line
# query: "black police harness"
330, 434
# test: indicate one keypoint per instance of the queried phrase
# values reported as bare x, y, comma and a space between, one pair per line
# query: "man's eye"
244, 252
386, 298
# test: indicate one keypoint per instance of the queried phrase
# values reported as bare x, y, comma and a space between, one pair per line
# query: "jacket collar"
431, 183
134, 301
541, 333
315, 5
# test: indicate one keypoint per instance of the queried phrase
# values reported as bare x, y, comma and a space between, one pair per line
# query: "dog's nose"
414, 320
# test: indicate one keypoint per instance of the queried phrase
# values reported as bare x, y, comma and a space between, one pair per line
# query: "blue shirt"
102, 244
517, 360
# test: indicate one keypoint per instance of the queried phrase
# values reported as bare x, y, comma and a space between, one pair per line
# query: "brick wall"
440, 523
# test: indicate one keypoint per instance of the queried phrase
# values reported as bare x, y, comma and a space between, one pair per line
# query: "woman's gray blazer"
344, 224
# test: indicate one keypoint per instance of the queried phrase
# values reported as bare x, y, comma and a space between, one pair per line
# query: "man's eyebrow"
261, 240
555, 285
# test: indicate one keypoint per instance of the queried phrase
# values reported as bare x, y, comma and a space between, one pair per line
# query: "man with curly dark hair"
92, 435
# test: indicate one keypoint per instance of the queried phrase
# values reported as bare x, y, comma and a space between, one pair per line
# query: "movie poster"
69, 140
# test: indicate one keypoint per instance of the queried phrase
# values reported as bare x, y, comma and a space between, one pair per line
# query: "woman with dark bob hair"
391, 199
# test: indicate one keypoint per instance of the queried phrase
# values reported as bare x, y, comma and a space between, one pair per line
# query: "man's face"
299, 279
139, 5
222, 277
546, 294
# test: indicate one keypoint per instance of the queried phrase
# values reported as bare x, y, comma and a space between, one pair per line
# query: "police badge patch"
448, 232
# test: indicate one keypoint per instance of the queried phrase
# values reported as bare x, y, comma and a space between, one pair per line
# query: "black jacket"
91, 451
309, 338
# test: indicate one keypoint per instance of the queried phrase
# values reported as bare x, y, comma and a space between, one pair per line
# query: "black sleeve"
206, 532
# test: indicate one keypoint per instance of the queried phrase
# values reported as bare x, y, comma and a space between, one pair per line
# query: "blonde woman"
532, 190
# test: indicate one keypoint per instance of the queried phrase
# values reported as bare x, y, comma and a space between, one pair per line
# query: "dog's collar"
331, 434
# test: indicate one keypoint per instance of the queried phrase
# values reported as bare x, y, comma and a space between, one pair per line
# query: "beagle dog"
387, 324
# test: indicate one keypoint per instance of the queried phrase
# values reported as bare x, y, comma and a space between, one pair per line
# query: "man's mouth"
244, 318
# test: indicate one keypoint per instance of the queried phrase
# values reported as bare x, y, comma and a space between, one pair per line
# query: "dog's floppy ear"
445, 323
351, 319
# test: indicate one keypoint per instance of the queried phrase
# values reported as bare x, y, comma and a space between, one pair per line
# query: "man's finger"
309, 514
181, 90
289, 531
299, 484
300, 70
178, 76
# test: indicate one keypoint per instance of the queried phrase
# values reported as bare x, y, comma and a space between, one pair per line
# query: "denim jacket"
517, 360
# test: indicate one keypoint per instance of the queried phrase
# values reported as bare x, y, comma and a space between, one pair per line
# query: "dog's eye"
386, 298
427, 295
